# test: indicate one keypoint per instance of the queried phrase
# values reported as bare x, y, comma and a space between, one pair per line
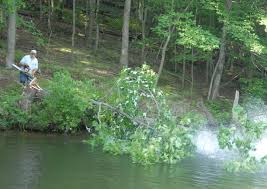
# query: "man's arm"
23, 62
35, 68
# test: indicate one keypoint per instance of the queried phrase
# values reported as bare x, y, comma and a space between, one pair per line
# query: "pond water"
35, 161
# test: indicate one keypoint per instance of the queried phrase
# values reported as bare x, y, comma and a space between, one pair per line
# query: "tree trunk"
125, 34
86, 27
143, 19
163, 55
11, 41
192, 74
91, 22
183, 79
73, 30
50, 30
215, 83
97, 25
217, 74
40, 10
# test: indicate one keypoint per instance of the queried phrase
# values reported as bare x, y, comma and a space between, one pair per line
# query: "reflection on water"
56, 162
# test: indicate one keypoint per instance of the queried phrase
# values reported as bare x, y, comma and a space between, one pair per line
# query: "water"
34, 161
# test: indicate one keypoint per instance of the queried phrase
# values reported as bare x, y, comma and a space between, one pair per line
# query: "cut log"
30, 94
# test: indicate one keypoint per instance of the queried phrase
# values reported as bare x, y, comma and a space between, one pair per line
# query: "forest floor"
102, 66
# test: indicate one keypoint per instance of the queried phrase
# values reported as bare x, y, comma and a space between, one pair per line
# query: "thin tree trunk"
50, 30
73, 31
41, 9
175, 62
86, 26
91, 21
143, 18
52, 6
192, 74
11, 41
183, 80
97, 25
164, 49
208, 69
171, 30
124, 60
218, 71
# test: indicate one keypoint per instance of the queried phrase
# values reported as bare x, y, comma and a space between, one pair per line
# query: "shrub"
221, 110
10, 114
255, 87
66, 102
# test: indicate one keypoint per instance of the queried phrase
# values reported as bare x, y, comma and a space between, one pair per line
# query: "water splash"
206, 143
261, 148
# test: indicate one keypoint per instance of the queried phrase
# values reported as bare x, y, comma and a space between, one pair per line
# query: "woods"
142, 76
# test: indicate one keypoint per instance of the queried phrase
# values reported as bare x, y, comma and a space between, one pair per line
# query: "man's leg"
23, 78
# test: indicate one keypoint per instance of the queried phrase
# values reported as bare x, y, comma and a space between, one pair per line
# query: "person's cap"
33, 52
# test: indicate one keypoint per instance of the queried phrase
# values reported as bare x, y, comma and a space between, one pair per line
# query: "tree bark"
40, 10
143, 19
192, 74
124, 60
91, 22
183, 79
73, 30
11, 41
218, 71
163, 55
97, 25
50, 30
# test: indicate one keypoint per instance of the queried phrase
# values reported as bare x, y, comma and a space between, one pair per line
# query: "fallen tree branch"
133, 120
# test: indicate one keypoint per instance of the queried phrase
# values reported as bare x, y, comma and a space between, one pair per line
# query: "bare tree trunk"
50, 30
91, 22
73, 30
192, 74
175, 62
143, 18
86, 26
217, 75
208, 69
41, 10
183, 80
52, 6
11, 41
124, 60
163, 55
97, 25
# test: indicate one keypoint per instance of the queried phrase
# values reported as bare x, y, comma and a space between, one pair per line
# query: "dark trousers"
24, 78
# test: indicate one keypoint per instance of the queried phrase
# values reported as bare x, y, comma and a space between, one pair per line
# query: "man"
29, 65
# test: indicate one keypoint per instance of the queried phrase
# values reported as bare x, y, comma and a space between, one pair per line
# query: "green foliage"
10, 113
192, 119
30, 27
221, 110
149, 133
254, 87
66, 103
241, 138
62, 109
18, 55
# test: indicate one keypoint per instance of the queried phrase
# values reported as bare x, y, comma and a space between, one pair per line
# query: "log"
29, 95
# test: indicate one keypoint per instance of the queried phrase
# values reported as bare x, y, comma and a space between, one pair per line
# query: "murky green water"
34, 161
